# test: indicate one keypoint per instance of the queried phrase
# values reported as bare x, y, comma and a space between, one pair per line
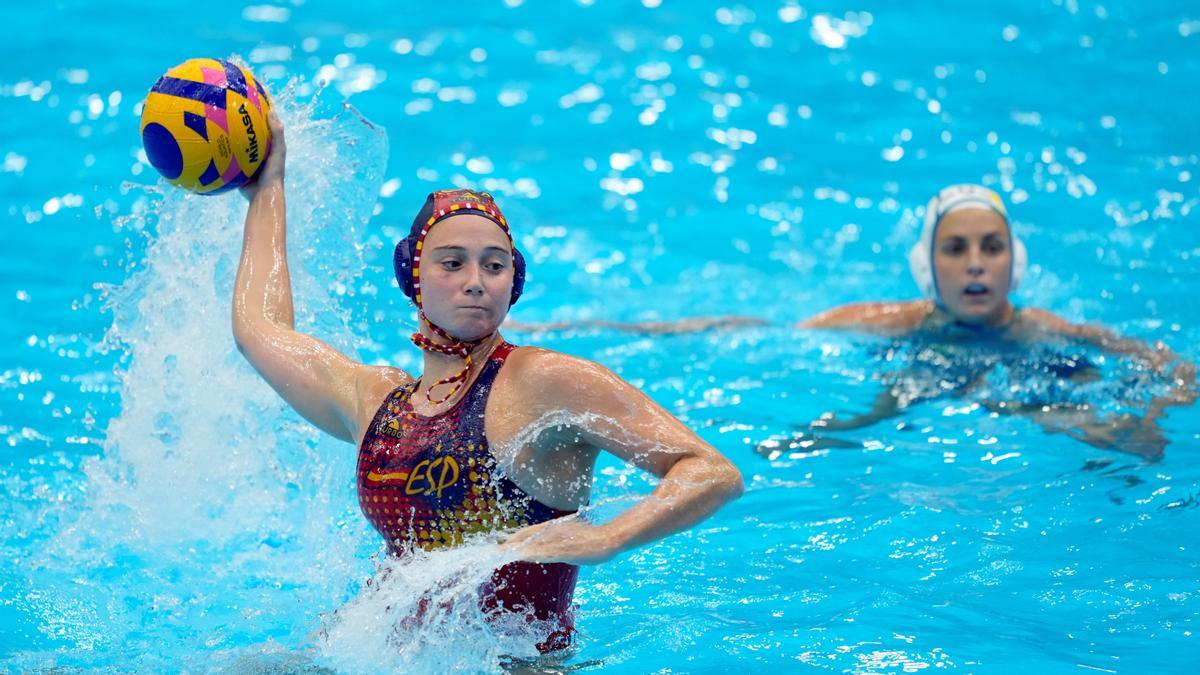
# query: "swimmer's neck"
1001, 320
437, 365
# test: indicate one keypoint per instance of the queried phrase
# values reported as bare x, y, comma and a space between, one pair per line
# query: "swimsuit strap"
475, 402
495, 360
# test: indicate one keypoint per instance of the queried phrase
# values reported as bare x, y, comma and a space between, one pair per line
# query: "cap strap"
455, 347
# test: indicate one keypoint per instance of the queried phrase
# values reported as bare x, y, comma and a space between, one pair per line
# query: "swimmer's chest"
433, 481
436, 459
435, 456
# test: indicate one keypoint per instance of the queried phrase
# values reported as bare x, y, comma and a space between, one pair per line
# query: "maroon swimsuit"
428, 482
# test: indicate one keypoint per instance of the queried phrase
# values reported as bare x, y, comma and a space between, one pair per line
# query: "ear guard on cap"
1019, 262
920, 263
406, 252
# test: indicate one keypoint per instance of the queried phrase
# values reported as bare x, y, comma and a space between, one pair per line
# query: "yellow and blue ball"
204, 126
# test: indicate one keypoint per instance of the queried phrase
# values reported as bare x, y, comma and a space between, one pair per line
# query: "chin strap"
455, 347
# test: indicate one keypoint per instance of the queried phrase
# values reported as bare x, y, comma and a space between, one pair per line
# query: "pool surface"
658, 160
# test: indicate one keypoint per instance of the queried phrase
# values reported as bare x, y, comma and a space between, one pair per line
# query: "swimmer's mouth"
976, 289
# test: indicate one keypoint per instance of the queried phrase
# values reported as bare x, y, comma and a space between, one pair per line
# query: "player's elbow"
248, 336
241, 333
728, 480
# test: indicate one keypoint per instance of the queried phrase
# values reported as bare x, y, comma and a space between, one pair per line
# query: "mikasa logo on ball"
253, 149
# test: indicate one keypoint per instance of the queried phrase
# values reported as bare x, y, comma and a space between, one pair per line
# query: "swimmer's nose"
474, 282
975, 263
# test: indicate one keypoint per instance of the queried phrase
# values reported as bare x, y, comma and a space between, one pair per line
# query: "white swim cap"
948, 200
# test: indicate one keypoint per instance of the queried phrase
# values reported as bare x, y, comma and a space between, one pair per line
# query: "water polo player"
491, 436
968, 260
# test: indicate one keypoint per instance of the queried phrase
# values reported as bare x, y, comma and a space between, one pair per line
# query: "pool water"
659, 160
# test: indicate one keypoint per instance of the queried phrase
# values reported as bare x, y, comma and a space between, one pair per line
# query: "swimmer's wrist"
259, 187
261, 184
270, 183
615, 538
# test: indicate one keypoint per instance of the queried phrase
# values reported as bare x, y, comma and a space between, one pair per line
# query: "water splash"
215, 515
425, 609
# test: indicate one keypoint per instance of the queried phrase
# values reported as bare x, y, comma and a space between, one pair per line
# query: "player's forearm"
693, 489
263, 290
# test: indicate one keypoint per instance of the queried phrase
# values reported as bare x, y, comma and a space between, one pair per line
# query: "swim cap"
406, 260
957, 198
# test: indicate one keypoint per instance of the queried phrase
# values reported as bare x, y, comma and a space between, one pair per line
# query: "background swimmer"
968, 261
491, 436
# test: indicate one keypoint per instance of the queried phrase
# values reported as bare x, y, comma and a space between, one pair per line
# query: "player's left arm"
696, 479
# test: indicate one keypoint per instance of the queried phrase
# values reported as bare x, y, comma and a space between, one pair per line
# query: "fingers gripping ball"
204, 126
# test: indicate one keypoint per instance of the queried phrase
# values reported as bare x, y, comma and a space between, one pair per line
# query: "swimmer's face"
466, 276
972, 262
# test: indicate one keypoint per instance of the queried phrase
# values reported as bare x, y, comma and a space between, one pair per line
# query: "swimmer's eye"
495, 267
994, 246
451, 264
954, 247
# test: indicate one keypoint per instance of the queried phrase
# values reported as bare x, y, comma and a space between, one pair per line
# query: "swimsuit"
987, 362
429, 482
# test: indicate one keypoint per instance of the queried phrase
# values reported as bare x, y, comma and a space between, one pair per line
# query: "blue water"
164, 512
